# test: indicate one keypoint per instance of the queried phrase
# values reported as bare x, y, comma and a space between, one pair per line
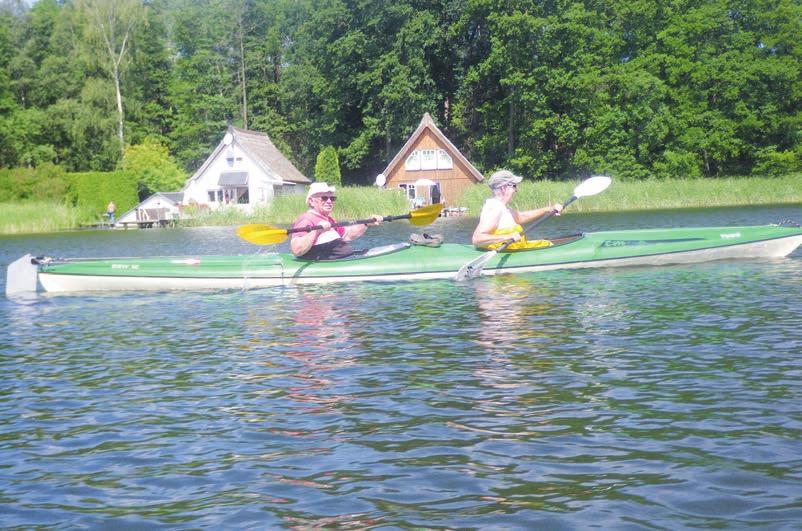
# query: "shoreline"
40, 217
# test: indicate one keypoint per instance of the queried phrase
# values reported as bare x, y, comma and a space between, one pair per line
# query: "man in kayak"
498, 223
327, 242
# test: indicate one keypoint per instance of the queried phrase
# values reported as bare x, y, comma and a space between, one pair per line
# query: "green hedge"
89, 191
94, 190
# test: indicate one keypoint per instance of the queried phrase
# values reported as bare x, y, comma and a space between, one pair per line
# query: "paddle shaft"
348, 223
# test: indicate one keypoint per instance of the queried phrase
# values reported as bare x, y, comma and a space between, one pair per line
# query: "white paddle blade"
21, 276
473, 269
592, 186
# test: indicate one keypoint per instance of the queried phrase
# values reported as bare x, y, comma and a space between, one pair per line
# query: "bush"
773, 163
678, 165
155, 169
327, 167
94, 190
47, 182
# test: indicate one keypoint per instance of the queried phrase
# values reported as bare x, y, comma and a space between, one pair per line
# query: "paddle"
588, 187
262, 234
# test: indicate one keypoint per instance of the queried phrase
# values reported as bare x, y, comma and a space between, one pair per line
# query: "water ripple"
637, 398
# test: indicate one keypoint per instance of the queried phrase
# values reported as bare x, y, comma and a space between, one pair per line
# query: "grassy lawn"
357, 202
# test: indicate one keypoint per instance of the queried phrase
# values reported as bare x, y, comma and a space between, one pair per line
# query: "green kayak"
401, 261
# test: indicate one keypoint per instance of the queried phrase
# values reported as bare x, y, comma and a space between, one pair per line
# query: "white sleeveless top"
493, 206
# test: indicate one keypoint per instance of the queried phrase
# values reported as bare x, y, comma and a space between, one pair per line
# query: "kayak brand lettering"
731, 235
125, 266
623, 243
635, 243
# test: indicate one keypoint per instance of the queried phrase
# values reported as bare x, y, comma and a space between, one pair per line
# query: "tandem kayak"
401, 261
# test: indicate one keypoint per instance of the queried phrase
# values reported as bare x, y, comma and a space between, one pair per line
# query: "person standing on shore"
111, 208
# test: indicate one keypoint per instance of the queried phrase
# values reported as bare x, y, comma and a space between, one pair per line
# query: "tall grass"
653, 194
41, 216
359, 202
354, 202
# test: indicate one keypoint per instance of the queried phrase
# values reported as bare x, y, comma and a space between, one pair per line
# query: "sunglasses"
324, 198
512, 185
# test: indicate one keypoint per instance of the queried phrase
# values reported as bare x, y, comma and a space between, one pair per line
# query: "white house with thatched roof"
245, 169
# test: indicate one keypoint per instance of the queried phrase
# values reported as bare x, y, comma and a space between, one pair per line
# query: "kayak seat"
365, 253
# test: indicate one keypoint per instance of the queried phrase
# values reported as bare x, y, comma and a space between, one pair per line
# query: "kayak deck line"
400, 262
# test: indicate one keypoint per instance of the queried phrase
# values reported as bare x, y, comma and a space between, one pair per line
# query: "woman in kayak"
498, 223
327, 242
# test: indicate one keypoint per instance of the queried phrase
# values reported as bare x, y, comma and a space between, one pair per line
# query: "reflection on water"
630, 398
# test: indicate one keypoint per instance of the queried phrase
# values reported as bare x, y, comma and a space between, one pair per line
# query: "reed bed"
653, 194
40, 216
353, 202
359, 202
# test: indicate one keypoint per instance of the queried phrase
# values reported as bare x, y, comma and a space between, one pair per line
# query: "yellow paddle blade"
261, 234
425, 215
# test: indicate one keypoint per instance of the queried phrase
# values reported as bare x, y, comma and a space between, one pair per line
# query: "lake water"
663, 398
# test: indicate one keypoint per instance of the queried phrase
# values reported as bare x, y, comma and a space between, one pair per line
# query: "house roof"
259, 147
427, 123
174, 198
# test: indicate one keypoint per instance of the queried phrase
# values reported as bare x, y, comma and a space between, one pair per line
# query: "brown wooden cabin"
430, 168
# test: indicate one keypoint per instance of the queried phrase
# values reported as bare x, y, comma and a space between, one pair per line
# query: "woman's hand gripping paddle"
261, 234
588, 187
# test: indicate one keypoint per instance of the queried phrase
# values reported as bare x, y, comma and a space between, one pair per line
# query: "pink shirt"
310, 218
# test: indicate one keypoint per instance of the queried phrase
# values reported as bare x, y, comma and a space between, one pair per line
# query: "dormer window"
444, 161
413, 161
429, 159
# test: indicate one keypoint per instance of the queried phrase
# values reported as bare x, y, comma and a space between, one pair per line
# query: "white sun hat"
319, 188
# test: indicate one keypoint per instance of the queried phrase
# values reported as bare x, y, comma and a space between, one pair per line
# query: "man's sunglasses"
324, 198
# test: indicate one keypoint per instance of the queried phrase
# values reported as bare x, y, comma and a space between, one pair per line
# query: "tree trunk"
510, 125
120, 112
242, 77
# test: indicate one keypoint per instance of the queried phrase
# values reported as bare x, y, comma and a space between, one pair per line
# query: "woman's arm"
528, 216
488, 222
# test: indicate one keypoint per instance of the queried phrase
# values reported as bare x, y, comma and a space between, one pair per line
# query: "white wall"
230, 159
152, 202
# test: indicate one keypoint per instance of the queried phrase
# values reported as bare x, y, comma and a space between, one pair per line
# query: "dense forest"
556, 89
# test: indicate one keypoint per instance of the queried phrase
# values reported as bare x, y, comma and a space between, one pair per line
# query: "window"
428, 159
444, 161
409, 190
413, 161
212, 196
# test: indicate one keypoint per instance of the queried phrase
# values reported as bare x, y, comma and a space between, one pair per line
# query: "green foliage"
549, 89
774, 163
45, 183
93, 190
154, 168
327, 167
678, 166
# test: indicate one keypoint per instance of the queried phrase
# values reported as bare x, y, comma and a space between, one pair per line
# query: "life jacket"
520, 245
